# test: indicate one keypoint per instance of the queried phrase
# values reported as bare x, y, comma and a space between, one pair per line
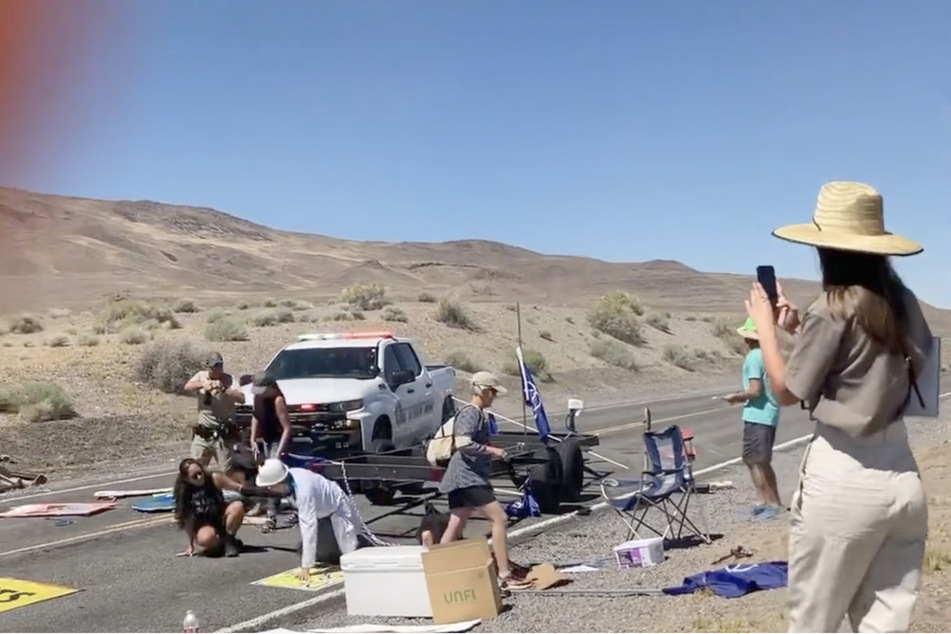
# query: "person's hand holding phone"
787, 314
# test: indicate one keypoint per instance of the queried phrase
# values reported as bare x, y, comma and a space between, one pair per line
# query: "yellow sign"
319, 578
17, 593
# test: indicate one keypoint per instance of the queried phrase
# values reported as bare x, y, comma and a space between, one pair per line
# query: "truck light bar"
330, 336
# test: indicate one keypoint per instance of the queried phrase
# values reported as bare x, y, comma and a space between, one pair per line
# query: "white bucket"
640, 553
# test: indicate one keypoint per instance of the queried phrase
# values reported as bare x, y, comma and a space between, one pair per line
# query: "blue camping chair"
667, 485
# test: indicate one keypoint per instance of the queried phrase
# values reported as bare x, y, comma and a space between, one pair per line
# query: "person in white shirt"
315, 497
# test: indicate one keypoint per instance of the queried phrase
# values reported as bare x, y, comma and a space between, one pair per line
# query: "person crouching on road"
201, 512
466, 480
271, 425
217, 397
315, 497
760, 420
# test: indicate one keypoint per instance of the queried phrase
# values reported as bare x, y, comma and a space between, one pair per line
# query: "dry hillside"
105, 305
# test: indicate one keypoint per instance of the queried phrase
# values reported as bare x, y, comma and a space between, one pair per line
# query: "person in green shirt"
760, 419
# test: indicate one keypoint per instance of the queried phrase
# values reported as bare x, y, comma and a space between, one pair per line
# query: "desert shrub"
243, 305
454, 315
126, 313
24, 325
88, 340
613, 353
133, 336
680, 356
167, 365
36, 401
185, 306
294, 304
284, 316
616, 314
392, 313
356, 315
547, 336
263, 318
364, 296
59, 313
535, 362
215, 315
659, 322
308, 316
426, 298
570, 320
461, 361
690, 318
271, 303
226, 330
57, 341
723, 330
341, 315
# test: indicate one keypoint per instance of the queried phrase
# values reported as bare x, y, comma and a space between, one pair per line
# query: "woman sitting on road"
201, 511
859, 514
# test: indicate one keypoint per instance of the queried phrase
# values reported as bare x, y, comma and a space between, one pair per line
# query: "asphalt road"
130, 580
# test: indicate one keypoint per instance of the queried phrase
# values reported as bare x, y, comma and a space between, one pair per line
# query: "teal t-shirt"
763, 409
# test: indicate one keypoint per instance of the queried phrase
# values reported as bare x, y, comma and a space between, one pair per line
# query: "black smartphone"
766, 276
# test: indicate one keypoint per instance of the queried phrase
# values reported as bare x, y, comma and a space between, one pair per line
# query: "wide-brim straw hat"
748, 330
849, 216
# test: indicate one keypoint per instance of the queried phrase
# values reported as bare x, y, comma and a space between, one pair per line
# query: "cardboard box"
462, 581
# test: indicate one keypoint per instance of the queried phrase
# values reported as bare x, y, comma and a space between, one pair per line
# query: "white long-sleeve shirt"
314, 497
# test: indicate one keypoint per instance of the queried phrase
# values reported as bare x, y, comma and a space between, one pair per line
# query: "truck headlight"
346, 406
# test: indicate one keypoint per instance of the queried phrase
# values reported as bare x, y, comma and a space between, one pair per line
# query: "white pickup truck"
358, 392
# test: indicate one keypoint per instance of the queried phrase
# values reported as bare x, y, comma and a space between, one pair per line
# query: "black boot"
231, 546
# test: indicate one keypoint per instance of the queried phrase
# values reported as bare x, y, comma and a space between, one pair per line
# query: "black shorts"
471, 497
758, 442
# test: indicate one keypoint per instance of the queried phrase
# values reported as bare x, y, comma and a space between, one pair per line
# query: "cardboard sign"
18, 593
319, 579
80, 509
462, 581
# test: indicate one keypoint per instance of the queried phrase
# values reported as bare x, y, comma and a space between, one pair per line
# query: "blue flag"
493, 425
532, 398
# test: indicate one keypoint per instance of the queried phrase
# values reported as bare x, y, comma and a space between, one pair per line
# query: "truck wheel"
546, 481
572, 469
379, 492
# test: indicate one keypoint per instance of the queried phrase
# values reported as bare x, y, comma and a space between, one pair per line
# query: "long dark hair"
865, 287
183, 487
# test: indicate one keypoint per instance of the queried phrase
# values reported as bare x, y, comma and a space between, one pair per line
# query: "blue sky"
624, 130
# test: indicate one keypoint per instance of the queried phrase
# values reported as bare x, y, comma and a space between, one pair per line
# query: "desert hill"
65, 251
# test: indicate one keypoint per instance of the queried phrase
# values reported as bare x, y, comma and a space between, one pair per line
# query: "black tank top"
266, 413
207, 506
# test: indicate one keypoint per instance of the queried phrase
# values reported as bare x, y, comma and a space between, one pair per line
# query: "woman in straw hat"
859, 516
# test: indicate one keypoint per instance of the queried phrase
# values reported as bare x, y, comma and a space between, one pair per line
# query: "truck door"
428, 414
410, 396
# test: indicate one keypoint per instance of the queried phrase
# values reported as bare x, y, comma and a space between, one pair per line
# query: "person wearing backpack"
466, 480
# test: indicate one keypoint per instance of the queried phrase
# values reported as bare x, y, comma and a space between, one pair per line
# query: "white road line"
86, 487
260, 621
141, 523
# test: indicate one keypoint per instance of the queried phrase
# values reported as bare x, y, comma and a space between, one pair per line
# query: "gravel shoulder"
594, 536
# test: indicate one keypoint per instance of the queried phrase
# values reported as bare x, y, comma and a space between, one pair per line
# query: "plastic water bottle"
191, 622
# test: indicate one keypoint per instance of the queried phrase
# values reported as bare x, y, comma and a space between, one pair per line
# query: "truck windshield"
314, 363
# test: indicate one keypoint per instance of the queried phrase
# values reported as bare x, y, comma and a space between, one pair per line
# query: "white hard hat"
272, 472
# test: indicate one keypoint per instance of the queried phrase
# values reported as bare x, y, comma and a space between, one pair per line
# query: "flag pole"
518, 316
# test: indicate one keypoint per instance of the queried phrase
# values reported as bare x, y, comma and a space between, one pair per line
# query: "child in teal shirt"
760, 419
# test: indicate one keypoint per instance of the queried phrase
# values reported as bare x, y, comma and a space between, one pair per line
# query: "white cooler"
386, 581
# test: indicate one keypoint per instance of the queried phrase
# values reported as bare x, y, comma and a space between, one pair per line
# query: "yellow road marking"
18, 593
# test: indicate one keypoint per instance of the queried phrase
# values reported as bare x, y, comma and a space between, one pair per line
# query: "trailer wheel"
546, 481
572, 469
379, 492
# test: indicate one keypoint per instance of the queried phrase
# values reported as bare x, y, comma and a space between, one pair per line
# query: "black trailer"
555, 468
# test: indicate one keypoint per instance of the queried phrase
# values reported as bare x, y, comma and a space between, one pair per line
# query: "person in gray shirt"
466, 480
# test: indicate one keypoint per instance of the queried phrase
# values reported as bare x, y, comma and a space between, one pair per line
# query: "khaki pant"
203, 449
857, 539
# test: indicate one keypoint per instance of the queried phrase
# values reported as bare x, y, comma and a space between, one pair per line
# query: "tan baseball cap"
487, 379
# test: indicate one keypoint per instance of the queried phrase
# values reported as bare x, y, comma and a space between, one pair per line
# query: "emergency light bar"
331, 336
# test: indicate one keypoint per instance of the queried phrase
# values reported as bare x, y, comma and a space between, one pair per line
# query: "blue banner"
533, 399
